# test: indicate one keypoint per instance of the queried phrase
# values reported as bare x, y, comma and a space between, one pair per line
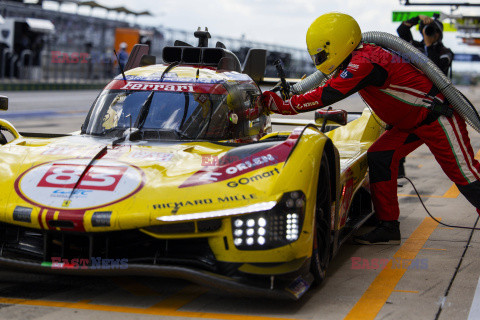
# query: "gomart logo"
51, 184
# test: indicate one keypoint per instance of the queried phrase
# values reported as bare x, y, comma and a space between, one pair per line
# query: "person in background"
431, 44
122, 56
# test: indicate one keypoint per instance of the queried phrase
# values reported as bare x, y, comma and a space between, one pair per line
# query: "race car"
176, 173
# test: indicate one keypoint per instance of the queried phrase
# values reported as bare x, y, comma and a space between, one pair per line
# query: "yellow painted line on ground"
407, 291
181, 298
453, 192
477, 156
150, 311
384, 284
434, 249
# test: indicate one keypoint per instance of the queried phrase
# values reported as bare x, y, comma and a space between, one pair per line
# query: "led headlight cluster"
273, 228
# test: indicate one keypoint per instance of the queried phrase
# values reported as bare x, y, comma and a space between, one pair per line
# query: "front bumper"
135, 253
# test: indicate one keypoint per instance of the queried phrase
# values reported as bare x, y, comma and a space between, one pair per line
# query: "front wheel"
322, 232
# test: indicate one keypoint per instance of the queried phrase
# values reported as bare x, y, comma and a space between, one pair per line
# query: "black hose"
428, 212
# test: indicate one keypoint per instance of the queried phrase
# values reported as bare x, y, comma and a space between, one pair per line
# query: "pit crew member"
400, 95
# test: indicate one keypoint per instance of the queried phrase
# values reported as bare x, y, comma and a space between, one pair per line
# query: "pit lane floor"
356, 286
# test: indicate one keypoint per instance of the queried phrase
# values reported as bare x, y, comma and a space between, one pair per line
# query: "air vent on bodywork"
209, 225
187, 227
192, 55
212, 56
172, 54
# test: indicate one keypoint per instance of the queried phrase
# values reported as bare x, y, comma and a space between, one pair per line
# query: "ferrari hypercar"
176, 172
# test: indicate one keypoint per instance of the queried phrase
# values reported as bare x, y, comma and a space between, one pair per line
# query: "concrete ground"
439, 284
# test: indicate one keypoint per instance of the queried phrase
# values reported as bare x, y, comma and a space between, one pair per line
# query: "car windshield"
160, 114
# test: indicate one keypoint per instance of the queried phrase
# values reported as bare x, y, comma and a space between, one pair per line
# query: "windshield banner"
168, 87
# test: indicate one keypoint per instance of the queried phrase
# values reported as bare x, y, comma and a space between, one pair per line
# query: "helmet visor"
319, 58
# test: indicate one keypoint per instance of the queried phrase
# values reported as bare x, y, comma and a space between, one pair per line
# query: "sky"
282, 22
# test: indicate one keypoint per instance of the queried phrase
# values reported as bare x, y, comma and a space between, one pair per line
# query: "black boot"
386, 232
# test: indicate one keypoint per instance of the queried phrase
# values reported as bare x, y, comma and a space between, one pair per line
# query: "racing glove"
275, 104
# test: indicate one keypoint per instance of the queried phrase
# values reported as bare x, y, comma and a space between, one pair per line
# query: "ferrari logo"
66, 203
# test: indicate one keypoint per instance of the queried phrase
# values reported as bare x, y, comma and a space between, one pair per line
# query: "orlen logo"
50, 185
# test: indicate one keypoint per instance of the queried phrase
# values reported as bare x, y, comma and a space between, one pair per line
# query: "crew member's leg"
448, 140
383, 160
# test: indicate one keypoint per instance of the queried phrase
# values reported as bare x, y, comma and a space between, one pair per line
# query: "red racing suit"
399, 94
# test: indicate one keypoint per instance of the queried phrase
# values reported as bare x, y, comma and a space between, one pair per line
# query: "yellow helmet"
331, 38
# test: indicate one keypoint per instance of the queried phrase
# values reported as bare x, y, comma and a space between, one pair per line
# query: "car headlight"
273, 228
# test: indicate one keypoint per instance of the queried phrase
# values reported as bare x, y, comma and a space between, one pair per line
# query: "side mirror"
3, 103
336, 116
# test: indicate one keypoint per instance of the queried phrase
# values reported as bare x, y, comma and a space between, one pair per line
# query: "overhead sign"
399, 16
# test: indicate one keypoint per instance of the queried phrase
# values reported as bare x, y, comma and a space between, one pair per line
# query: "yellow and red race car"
176, 173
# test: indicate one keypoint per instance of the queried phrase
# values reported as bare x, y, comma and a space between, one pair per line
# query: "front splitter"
294, 290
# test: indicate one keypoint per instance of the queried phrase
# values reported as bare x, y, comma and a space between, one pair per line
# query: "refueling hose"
408, 52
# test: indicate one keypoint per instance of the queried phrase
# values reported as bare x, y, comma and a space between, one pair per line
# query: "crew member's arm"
358, 74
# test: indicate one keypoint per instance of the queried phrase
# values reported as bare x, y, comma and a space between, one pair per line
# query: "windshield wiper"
142, 115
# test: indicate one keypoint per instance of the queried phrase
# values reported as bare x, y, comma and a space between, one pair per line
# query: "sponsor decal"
298, 287
307, 105
353, 67
247, 164
151, 155
346, 74
168, 87
170, 77
258, 177
50, 185
22, 214
117, 152
71, 150
205, 201
155, 86
212, 173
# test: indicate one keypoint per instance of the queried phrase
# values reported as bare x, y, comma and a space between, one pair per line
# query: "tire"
322, 232
3, 140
